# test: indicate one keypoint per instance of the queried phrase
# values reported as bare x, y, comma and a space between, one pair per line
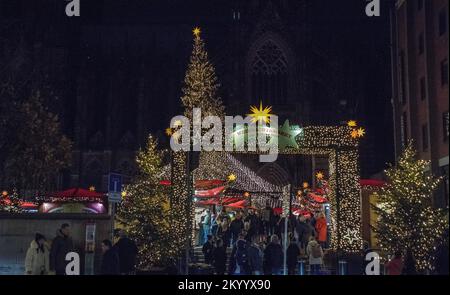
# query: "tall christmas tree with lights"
144, 212
200, 90
200, 84
406, 218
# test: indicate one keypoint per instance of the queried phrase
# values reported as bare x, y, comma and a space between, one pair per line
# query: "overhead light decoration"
260, 114
361, 132
4, 193
92, 188
305, 185
319, 175
231, 177
246, 194
352, 123
169, 131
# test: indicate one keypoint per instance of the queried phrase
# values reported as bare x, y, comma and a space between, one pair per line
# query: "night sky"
151, 40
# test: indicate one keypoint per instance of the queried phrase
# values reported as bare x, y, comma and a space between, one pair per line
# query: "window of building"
425, 137
403, 129
269, 74
443, 23
444, 72
445, 124
421, 43
423, 89
402, 77
419, 5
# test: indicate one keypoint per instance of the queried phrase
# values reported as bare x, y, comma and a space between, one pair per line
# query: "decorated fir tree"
200, 83
144, 212
406, 218
34, 148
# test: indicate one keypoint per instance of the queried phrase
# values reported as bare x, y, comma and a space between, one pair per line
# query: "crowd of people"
256, 240
43, 258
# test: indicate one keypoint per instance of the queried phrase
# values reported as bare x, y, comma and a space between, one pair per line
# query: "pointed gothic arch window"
269, 74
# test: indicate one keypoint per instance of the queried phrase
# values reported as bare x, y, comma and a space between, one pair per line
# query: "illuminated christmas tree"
200, 84
144, 211
406, 218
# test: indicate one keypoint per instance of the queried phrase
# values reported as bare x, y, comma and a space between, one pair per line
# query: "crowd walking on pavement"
256, 240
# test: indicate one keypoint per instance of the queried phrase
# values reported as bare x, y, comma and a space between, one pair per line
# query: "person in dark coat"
110, 259
219, 257
266, 218
224, 232
238, 262
127, 251
304, 232
207, 249
273, 257
255, 257
252, 219
409, 267
61, 245
236, 226
292, 253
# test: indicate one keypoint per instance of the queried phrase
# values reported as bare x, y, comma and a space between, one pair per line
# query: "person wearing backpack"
315, 254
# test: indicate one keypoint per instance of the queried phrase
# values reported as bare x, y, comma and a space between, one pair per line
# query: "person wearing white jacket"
315, 254
37, 259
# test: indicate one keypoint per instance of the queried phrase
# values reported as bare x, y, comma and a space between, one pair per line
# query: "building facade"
419, 31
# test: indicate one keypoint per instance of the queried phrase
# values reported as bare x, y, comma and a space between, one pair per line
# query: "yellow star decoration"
246, 194
169, 131
92, 188
231, 177
124, 194
319, 175
351, 123
361, 132
177, 123
354, 133
261, 114
196, 31
305, 185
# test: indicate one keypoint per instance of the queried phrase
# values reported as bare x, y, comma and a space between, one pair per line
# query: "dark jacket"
292, 253
127, 251
236, 226
241, 245
304, 231
273, 256
110, 263
220, 259
255, 257
207, 250
61, 245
